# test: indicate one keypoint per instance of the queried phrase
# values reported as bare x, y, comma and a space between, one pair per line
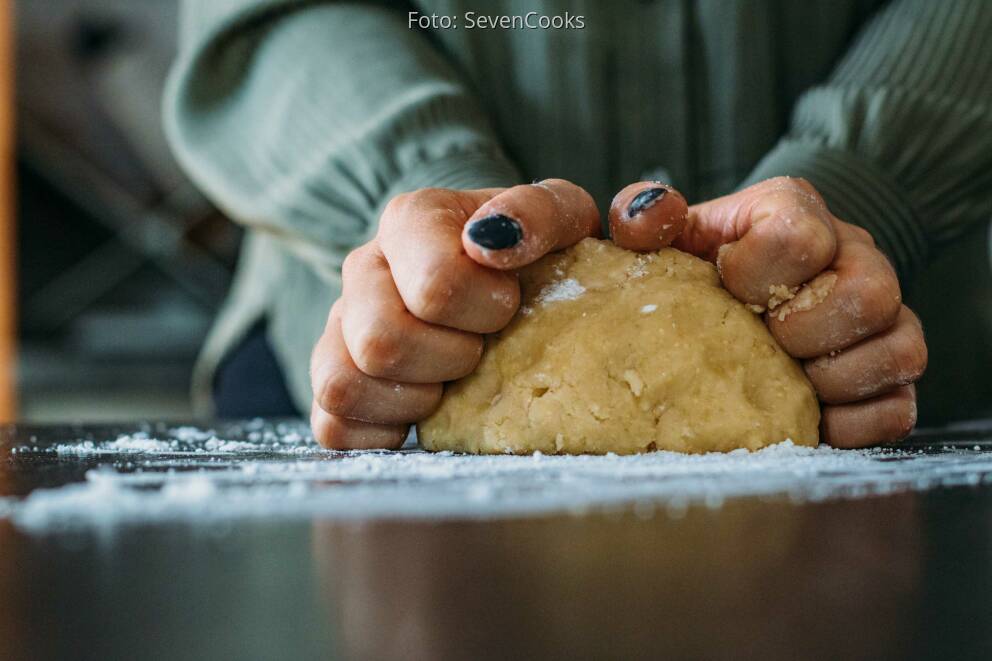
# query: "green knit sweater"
301, 119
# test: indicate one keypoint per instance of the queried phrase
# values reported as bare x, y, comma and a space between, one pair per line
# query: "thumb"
524, 223
647, 216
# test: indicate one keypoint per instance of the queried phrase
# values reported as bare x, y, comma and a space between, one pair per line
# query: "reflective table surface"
904, 573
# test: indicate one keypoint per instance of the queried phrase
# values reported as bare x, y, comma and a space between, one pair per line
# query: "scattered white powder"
230, 480
132, 444
185, 441
648, 309
503, 298
563, 290
638, 269
218, 445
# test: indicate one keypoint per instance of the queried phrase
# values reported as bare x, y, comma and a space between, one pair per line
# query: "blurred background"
120, 262
112, 265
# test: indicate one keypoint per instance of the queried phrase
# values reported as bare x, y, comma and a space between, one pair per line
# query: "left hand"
829, 297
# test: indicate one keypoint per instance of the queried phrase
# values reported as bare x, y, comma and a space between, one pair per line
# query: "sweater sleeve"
899, 139
303, 119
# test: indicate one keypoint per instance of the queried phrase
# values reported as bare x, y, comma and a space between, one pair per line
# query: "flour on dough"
622, 352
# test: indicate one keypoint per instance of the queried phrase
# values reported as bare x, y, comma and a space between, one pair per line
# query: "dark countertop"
903, 575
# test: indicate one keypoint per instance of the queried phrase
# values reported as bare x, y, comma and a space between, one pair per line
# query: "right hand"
841, 313
418, 298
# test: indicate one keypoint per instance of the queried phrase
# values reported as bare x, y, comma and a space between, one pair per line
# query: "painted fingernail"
496, 232
645, 200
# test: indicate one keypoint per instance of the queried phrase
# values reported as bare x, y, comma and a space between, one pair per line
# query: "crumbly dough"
614, 351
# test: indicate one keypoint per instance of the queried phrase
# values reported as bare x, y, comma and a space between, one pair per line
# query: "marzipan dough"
615, 351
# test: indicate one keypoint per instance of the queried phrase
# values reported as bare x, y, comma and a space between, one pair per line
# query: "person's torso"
691, 91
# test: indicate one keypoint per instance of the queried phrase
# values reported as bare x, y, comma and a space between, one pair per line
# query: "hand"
830, 297
418, 297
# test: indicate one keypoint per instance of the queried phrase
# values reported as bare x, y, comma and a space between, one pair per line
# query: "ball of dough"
615, 351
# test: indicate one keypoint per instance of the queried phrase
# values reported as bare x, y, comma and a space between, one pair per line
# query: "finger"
858, 297
647, 216
337, 433
883, 419
523, 223
885, 361
339, 387
386, 341
767, 240
420, 238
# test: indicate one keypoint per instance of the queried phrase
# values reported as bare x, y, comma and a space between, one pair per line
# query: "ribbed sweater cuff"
856, 191
459, 170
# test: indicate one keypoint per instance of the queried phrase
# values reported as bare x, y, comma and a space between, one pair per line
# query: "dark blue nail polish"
496, 232
645, 200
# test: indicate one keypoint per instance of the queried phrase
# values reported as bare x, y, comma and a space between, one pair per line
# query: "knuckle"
350, 264
880, 302
862, 235
333, 436
505, 303
378, 349
433, 295
808, 192
910, 357
810, 238
422, 197
466, 358
827, 386
336, 391
400, 206
804, 245
795, 185
356, 261
902, 419
783, 181
426, 402
324, 429
393, 211
429, 193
